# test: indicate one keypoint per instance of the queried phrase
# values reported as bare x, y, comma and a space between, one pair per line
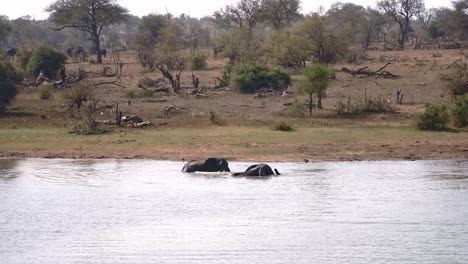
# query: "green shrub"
251, 78
435, 117
198, 61
227, 73
44, 91
457, 79
297, 109
283, 126
213, 118
460, 112
46, 59
8, 78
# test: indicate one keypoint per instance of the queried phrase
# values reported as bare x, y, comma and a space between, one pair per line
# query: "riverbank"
238, 143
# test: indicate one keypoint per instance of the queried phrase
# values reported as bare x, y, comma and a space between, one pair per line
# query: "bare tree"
402, 11
90, 16
245, 15
425, 18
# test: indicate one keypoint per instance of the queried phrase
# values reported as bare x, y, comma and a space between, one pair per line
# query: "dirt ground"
420, 83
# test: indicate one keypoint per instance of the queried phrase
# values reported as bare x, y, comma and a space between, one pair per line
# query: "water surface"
108, 211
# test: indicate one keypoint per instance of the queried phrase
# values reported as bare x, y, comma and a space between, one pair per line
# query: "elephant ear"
251, 167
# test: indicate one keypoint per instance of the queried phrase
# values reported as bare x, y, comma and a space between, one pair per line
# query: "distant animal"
104, 52
258, 170
208, 165
76, 53
11, 53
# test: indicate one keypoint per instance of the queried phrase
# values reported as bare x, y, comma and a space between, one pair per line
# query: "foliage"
149, 30
198, 61
283, 126
457, 79
281, 13
296, 109
435, 117
44, 91
402, 11
288, 48
5, 28
46, 59
78, 96
227, 73
360, 24
312, 38
315, 82
239, 46
8, 77
213, 118
90, 16
251, 78
460, 111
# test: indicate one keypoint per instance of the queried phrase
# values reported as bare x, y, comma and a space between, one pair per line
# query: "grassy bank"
238, 143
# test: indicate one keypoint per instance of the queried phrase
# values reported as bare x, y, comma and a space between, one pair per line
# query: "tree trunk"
311, 104
97, 46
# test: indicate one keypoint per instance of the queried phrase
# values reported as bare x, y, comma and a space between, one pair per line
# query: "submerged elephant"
208, 165
258, 170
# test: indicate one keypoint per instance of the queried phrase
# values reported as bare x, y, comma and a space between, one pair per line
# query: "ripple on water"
110, 211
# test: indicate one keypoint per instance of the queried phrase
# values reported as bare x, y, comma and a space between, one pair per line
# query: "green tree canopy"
90, 16
5, 29
315, 82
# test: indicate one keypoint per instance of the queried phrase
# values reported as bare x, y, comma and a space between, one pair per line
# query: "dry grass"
36, 126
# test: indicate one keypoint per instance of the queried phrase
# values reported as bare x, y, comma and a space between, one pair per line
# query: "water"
107, 211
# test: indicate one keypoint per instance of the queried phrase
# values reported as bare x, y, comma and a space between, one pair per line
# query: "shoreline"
19, 156
256, 144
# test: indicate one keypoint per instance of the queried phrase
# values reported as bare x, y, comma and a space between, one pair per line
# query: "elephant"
258, 170
208, 165
11, 53
77, 53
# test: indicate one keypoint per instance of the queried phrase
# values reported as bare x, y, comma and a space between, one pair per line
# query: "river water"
111, 212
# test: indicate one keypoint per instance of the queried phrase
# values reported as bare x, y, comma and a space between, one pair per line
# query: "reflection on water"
106, 211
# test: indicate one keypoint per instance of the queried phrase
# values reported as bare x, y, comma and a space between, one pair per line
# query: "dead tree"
364, 72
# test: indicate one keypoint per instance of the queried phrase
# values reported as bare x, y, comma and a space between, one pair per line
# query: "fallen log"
364, 72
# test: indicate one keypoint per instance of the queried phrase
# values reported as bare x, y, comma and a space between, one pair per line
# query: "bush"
46, 59
457, 79
78, 96
213, 119
198, 61
44, 91
435, 117
460, 113
8, 77
283, 126
252, 78
297, 109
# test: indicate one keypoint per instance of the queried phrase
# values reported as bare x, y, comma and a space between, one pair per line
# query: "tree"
47, 60
281, 13
402, 11
90, 16
8, 78
149, 30
245, 15
326, 44
5, 29
425, 18
315, 82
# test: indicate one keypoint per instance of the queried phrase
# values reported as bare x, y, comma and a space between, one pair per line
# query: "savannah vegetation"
342, 78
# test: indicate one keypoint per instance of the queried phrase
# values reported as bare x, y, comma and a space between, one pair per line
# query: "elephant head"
208, 165
258, 170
